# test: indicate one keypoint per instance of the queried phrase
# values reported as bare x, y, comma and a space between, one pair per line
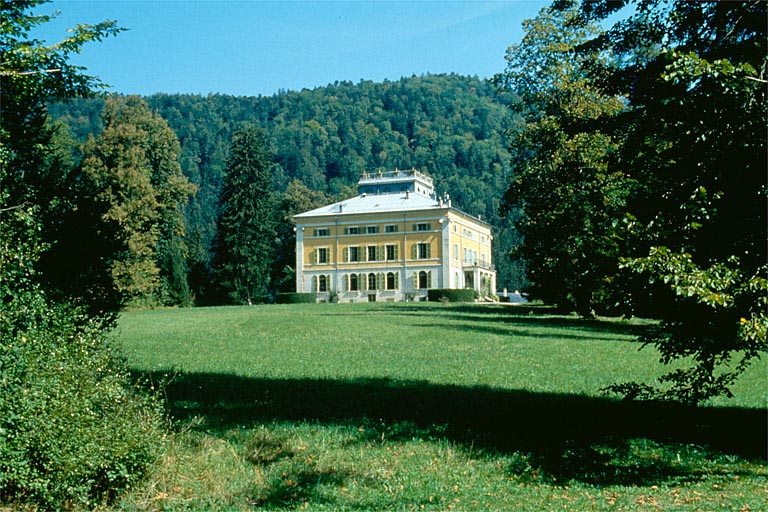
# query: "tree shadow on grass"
522, 316
567, 437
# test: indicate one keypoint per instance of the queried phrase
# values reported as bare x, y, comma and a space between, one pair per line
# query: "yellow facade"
391, 246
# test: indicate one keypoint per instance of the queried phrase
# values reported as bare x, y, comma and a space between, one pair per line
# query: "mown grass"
430, 407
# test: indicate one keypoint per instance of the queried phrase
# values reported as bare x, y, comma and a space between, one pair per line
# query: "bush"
452, 295
296, 298
74, 431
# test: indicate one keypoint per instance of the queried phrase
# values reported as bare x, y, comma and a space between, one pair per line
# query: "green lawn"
430, 407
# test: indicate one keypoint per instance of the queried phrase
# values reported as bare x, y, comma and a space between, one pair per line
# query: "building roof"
389, 192
376, 203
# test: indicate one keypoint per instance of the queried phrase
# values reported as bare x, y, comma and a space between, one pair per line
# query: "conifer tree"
246, 225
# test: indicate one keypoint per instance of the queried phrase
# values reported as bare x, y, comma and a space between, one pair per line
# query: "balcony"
477, 264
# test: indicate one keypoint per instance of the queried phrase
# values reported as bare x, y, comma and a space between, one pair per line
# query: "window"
423, 251
391, 281
372, 230
372, 253
353, 254
322, 283
323, 232
322, 255
354, 230
456, 252
391, 252
423, 279
390, 228
371, 281
423, 226
354, 283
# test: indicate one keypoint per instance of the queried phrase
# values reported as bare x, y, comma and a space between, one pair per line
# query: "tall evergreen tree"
246, 225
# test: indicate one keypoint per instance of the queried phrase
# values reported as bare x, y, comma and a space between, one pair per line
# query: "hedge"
452, 295
296, 298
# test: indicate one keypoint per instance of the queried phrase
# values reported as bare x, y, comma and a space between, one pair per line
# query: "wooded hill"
452, 127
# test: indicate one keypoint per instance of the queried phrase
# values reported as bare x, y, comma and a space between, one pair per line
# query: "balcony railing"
473, 264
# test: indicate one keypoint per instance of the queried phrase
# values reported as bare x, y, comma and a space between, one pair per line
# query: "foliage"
131, 189
73, 430
446, 125
296, 298
451, 295
32, 75
667, 118
246, 226
561, 178
730, 325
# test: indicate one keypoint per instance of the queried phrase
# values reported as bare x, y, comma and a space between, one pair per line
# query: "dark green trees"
246, 225
447, 125
568, 195
653, 163
73, 430
130, 188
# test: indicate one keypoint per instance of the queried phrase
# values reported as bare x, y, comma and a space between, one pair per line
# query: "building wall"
410, 252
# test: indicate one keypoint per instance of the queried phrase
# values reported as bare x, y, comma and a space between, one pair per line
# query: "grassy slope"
422, 406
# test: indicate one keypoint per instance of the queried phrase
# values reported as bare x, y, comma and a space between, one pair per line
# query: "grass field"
430, 407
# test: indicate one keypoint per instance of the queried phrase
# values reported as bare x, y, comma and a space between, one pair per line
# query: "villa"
392, 242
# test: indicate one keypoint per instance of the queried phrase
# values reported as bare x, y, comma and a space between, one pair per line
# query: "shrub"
296, 298
73, 430
452, 295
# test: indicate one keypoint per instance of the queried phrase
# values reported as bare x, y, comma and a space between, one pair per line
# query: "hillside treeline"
450, 126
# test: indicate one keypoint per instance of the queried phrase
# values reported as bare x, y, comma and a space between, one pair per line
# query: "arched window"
354, 285
371, 281
322, 283
423, 280
391, 281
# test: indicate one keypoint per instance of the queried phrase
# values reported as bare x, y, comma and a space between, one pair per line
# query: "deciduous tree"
131, 190
675, 167
73, 430
562, 181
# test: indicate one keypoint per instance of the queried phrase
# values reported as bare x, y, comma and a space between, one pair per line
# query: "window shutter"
313, 257
380, 281
429, 279
380, 256
415, 251
314, 283
345, 254
395, 252
415, 227
429, 250
346, 283
363, 253
397, 280
361, 282
415, 280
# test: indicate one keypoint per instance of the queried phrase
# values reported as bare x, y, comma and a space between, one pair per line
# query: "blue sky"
250, 47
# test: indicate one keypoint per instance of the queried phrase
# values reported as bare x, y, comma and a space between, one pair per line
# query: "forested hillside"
450, 126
